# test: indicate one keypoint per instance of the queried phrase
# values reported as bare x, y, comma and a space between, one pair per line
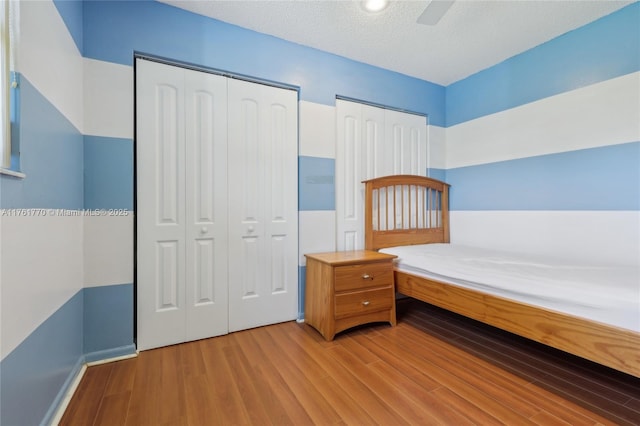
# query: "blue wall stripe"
34, 373
162, 30
71, 13
302, 285
51, 155
108, 173
316, 183
604, 49
605, 178
440, 174
108, 317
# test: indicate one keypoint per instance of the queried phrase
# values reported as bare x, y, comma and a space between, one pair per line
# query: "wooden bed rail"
405, 210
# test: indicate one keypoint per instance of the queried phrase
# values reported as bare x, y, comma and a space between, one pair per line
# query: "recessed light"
374, 5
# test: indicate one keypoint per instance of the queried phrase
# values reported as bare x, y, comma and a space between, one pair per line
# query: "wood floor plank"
172, 409
391, 358
333, 393
482, 375
408, 350
273, 382
376, 407
113, 410
434, 367
201, 407
565, 410
191, 358
433, 406
545, 419
122, 376
454, 407
413, 412
542, 360
227, 401
305, 379
585, 390
262, 405
92, 387
145, 397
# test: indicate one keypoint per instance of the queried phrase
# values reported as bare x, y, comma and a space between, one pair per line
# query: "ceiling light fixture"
374, 5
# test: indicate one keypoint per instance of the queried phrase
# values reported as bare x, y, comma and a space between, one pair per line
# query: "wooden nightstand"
345, 289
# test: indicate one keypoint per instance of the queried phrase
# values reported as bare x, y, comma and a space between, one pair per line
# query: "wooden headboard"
404, 210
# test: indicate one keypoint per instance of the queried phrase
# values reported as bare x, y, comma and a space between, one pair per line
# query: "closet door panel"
160, 175
360, 155
349, 136
262, 205
282, 205
206, 205
406, 136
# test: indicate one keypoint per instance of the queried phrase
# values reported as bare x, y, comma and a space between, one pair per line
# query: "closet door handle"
203, 230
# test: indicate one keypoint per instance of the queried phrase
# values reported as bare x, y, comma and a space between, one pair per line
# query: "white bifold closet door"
188, 184
263, 205
371, 142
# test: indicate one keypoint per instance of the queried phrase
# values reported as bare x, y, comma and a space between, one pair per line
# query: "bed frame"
406, 209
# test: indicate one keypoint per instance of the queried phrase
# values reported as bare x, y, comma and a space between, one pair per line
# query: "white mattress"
608, 294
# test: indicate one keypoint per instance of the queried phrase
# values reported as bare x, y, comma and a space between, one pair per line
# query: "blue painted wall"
598, 52
71, 12
316, 187
165, 31
51, 154
108, 173
604, 49
605, 178
36, 373
108, 321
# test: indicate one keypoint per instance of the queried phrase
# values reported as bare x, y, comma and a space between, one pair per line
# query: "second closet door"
371, 142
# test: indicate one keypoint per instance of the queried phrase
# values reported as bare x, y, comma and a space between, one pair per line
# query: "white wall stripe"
317, 130
437, 156
316, 232
108, 99
108, 250
602, 114
598, 236
41, 270
49, 58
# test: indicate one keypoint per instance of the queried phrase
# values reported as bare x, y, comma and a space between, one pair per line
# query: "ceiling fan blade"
434, 11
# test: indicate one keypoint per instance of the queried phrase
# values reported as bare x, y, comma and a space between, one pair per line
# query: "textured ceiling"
472, 35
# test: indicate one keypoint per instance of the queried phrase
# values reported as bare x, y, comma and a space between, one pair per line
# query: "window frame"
5, 79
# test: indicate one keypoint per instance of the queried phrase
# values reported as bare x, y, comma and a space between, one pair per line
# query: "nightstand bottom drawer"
363, 302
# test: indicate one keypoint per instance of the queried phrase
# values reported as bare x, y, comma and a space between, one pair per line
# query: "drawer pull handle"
366, 303
367, 277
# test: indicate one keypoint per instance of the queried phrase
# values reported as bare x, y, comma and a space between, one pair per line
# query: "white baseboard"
108, 360
64, 403
68, 395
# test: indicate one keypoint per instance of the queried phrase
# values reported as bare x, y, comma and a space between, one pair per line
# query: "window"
5, 123
8, 84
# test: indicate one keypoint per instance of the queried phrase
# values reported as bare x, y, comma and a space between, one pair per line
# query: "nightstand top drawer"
352, 277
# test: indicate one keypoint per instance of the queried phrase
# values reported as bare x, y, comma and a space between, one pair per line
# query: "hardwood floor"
434, 367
